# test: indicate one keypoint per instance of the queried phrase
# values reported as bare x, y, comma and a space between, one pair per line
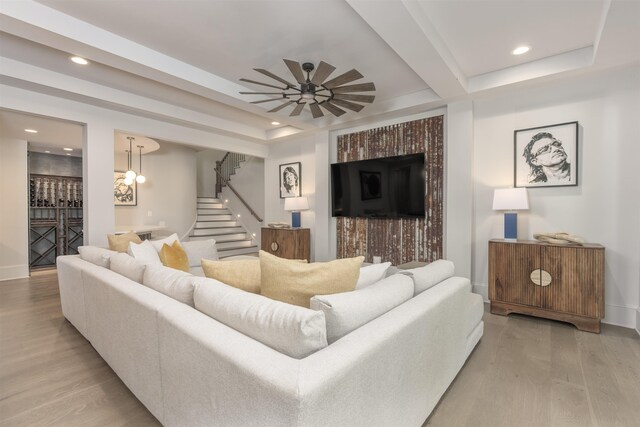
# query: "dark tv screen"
389, 187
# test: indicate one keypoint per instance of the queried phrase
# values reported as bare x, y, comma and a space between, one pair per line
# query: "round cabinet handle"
540, 277
274, 246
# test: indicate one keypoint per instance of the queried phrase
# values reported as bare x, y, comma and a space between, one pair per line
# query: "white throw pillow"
370, 274
171, 282
290, 329
347, 311
144, 252
96, 255
431, 274
127, 266
168, 240
200, 249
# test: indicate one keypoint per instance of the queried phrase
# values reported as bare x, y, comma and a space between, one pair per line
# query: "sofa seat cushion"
370, 274
295, 283
120, 242
127, 266
96, 255
431, 274
197, 250
144, 252
171, 282
347, 311
291, 330
174, 256
240, 273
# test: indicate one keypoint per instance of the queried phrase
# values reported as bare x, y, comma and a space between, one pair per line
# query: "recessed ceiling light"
520, 50
275, 123
31, 130
68, 154
79, 60
68, 149
47, 151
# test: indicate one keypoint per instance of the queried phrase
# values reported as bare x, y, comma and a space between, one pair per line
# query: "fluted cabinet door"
510, 267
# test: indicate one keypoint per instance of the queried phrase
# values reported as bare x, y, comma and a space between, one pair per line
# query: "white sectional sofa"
189, 369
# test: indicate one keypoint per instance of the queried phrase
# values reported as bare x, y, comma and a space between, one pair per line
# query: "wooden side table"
290, 243
553, 281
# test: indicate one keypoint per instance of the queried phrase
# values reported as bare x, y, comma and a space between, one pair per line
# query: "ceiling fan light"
130, 175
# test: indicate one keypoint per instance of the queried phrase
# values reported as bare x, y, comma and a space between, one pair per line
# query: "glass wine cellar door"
55, 218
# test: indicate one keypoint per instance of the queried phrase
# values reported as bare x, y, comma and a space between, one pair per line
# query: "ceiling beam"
418, 44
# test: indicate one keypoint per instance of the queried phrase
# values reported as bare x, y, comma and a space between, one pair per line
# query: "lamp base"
295, 219
510, 226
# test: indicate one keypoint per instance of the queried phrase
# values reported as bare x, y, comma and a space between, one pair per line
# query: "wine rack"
55, 218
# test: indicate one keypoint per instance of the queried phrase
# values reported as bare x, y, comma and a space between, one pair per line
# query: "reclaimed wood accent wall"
397, 240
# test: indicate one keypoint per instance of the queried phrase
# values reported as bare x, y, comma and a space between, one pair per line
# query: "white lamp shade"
510, 199
296, 204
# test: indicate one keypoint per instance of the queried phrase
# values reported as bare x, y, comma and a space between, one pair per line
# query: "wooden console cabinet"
552, 281
291, 243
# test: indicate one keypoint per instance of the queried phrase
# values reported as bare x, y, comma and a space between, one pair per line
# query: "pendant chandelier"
131, 175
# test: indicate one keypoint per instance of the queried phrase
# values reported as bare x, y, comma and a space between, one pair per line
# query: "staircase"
215, 221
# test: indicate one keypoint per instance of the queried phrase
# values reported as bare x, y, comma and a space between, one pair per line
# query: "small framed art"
290, 180
123, 194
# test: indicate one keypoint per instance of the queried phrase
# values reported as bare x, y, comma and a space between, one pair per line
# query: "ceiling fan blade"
362, 87
323, 71
346, 104
296, 111
266, 100
280, 107
333, 109
273, 76
260, 93
263, 84
342, 79
360, 98
296, 70
315, 110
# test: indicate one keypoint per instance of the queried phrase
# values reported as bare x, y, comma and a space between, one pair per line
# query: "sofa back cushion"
347, 311
431, 274
127, 266
120, 242
168, 240
370, 274
198, 250
96, 255
171, 282
241, 273
294, 282
291, 330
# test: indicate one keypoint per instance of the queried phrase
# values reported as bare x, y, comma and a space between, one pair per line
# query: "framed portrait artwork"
290, 180
370, 185
123, 194
546, 156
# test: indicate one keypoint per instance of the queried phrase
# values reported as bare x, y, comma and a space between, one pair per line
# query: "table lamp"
295, 205
510, 199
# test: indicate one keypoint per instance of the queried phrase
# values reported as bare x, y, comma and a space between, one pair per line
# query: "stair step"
213, 215
210, 205
227, 252
208, 200
216, 231
218, 224
235, 244
216, 217
230, 237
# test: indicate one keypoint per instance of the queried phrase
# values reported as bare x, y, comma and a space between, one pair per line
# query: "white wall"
604, 208
206, 163
168, 194
247, 181
14, 211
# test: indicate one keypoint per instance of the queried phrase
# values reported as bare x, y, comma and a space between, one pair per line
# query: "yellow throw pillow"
295, 283
174, 256
120, 242
240, 273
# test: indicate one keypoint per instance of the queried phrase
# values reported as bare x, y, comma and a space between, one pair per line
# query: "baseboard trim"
619, 315
14, 272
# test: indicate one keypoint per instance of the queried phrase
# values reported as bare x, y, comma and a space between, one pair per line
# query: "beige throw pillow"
242, 273
295, 283
120, 242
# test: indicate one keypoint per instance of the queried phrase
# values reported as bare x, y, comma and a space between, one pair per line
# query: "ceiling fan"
315, 91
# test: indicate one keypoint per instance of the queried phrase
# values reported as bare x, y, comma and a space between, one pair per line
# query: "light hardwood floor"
524, 372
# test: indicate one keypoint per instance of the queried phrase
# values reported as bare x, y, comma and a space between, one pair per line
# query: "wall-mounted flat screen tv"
389, 187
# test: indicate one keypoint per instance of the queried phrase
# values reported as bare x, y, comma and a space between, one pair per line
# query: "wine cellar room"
53, 175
